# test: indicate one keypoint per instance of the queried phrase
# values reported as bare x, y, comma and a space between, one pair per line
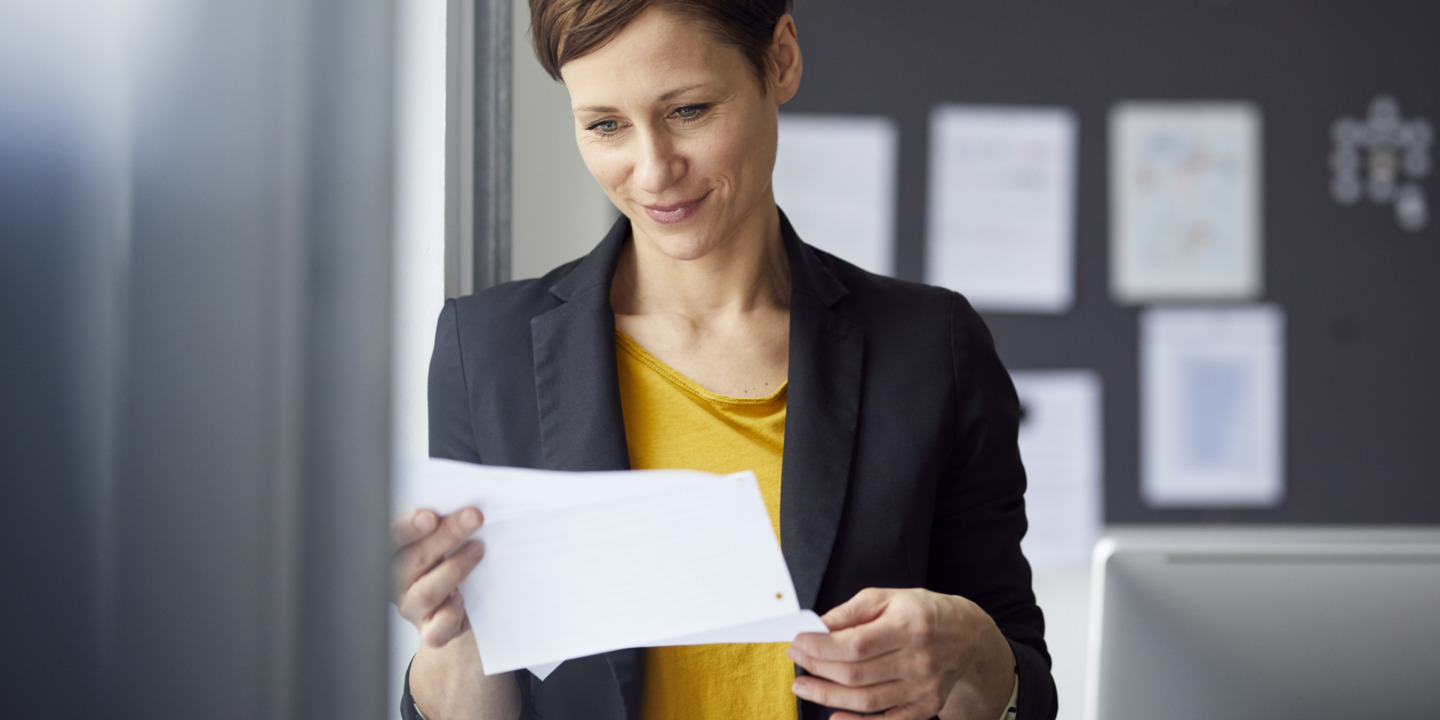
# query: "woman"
702, 333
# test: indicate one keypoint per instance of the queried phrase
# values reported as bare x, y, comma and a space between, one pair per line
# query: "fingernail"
424, 521
799, 689
470, 519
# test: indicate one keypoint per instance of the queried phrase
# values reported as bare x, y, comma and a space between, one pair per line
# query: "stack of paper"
583, 563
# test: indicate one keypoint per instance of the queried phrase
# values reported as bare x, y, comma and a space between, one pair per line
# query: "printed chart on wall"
1060, 444
1001, 203
835, 179
1185, 201
1212, 407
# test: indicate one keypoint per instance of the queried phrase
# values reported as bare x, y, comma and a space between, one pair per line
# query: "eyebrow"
671, 95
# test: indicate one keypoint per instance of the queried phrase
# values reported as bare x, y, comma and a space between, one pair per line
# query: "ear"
785, 50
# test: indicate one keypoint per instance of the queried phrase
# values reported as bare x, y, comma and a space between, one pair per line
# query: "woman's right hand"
425, 573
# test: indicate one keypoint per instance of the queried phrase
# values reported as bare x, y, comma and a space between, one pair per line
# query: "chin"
677, 242
684, 246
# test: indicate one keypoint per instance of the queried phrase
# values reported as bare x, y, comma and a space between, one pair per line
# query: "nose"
660, 164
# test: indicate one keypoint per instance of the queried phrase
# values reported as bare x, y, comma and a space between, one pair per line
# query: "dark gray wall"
1361, 296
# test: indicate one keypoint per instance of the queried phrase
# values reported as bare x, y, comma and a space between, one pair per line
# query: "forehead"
656, 53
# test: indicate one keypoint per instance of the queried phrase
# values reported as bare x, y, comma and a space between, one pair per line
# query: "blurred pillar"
479, 94
195, 206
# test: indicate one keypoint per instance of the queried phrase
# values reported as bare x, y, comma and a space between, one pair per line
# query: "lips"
671, 213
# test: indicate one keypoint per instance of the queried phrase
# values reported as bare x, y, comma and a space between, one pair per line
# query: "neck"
743, 274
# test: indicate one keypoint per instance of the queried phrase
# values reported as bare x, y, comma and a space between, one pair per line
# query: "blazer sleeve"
452, 436
980, 509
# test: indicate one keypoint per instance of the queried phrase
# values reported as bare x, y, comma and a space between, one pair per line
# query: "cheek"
732, 155
603, 166
751, 167
751, 152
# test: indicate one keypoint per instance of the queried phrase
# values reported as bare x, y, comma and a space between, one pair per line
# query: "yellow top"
671, 422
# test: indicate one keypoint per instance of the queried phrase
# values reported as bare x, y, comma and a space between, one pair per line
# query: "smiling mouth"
675, 212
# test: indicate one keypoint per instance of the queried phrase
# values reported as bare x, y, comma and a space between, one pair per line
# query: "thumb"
863, 608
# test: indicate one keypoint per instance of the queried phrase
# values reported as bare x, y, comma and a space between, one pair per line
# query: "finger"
901, 712
854, 644
886, 668
411, 526
446, 622
866, 606
417, 558
433, 588
871, 699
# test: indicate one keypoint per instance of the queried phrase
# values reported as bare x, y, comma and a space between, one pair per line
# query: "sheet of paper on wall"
578, 564
1212, 407
835, 179
1000, 225
1060, 444
1185, 191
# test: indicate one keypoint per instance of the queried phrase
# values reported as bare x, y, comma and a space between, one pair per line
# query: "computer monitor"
1231, 623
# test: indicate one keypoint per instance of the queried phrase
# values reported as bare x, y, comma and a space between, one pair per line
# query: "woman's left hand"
909, 653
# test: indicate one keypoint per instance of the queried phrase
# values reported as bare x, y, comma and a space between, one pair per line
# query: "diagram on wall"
1185, 187
1212, 412
1385, 158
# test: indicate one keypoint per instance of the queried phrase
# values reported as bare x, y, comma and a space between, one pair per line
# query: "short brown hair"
563, 30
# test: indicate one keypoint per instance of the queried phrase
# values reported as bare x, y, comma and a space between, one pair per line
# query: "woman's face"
679, 133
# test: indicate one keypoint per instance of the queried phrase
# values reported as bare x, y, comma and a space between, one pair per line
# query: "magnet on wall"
1386, 158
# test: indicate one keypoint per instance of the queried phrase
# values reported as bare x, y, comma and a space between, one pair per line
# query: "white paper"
835, 179
1060, 444
583, 563
1212, 406
781, 628
1185, 201
1001, 206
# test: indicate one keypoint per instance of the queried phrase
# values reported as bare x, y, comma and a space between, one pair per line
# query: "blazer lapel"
581, 423
628, 667
826, 356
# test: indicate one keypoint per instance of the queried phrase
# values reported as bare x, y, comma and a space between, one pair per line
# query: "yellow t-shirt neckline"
628, 344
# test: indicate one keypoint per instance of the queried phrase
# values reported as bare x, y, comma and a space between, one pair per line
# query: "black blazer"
900, 466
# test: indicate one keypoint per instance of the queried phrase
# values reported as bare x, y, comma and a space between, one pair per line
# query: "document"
583, 563
1060, 444
835, 179
1185, 201
1001, 218
1212, 407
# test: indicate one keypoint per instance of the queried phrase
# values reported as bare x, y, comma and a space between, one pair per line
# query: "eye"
690, 112
604, 127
